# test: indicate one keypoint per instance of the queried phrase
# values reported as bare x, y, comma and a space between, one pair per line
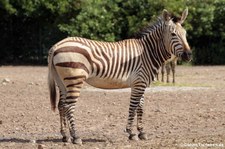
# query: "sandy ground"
189, 114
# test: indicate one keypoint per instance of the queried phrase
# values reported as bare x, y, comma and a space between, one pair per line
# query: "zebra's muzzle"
186, 56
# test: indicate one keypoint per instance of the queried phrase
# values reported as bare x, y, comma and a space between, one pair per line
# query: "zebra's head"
175, 35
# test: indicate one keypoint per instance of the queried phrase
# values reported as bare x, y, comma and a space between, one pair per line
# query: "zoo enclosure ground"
191, 112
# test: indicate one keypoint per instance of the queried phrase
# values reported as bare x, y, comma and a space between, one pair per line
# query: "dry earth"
189, 114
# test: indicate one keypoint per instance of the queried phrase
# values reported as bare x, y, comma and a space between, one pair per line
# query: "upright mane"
153, 25
148, 29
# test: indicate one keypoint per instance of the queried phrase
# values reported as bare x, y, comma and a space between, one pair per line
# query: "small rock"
110, 115
211, 110
6, 80
157, 110
33, 141
0, 121
158, 136
41, 146
31, 83
112, 125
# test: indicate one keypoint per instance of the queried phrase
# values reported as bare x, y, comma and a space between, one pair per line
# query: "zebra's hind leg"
61, 108
62, 120
136, 95
173, 64
163, 71
142, 135
168, 67
73, 86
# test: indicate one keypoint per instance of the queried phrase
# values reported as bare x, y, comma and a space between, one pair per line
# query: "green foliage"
30, 27
95, 21
4, 4
219, 20
206, 31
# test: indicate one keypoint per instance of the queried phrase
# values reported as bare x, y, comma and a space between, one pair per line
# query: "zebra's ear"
184, 16
165, 15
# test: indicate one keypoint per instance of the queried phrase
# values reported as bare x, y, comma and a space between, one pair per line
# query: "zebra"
130, 63
168, 65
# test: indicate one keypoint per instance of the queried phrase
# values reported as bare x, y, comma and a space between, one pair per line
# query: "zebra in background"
130, 63
168, 65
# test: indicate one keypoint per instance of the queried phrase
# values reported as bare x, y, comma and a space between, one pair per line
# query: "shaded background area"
28, 28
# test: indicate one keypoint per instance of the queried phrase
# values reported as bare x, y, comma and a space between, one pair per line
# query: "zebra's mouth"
186, 56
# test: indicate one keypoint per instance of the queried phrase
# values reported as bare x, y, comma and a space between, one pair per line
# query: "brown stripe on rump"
73, 65
73, 91
72, 97
77, 85
75, 77
75, 50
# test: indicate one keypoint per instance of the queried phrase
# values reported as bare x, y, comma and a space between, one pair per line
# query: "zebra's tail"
51, 80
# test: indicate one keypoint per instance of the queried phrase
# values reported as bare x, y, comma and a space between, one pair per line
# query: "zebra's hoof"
65, 139
133, 137
143, 136
77, 141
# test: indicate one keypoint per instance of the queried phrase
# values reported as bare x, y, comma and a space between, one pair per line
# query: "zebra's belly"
108, 83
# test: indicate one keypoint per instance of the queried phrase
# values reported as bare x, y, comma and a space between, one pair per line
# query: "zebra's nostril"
186, 56
189, 53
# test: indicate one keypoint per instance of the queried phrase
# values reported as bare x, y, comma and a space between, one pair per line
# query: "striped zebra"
130, 63
168, 65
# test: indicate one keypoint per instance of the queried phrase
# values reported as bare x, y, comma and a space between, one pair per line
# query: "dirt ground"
189, 114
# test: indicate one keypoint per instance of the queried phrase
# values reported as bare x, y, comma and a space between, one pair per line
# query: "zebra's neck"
154, 51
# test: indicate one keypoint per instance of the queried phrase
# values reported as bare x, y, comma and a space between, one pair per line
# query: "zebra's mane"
153, 25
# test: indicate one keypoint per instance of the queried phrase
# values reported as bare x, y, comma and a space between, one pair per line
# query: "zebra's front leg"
142, 135
129, 127
136, 95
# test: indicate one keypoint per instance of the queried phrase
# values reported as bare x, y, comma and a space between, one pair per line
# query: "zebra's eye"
173, 34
